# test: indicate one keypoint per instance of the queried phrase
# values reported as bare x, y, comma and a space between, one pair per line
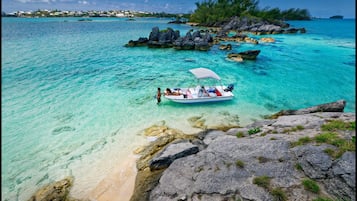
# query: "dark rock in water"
137, 43
337, 106
177, 21
154, 34
225, 47
249, 55
291, 31
336, 17
170, 38
302, 30
256, 26
171, 153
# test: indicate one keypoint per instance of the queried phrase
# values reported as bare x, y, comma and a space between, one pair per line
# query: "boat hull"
200, 100
194, 97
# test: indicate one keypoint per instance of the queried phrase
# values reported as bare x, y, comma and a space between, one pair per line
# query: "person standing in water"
158, 96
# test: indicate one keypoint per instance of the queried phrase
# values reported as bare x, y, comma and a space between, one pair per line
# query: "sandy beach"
118, 185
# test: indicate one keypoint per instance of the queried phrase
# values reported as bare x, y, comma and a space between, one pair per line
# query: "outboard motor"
230, 88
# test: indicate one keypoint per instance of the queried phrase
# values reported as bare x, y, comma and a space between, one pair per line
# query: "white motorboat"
201, 93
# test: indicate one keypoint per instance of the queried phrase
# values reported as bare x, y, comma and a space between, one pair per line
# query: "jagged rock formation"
228, 163
169, 38
256, 26
337, 106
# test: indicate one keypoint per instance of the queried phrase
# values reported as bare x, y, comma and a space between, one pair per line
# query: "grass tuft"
298, 166
311, 185
262, 181
240, 163
321, 199
336, 125
240, 134
253, 131
301, 141
279, 194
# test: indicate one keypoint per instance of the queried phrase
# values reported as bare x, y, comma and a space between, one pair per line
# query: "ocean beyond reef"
75, 102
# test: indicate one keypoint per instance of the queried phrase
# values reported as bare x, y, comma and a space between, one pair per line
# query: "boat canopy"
201, 73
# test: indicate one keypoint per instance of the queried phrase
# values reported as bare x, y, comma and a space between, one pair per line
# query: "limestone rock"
172, 152
56, 191
267, 40
337, 106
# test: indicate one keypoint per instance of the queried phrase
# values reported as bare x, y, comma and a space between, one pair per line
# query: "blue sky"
317, 8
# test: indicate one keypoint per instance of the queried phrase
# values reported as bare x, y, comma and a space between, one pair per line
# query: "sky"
317, 8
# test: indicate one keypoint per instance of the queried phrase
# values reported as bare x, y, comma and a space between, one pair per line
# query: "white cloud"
166, 6
146, 1
83, 2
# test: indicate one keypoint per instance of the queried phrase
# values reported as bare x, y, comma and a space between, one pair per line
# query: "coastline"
98, 141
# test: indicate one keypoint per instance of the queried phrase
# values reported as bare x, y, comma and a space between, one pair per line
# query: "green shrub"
240, 163
262, 181
253, 131
279, 194
311, 185
240, 134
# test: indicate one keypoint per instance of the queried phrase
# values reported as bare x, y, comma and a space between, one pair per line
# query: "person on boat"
158, 96
168, 91
202, 92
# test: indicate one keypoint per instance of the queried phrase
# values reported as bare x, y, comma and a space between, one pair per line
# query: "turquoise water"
75, 101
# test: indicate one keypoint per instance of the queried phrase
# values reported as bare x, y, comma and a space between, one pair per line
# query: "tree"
210, 12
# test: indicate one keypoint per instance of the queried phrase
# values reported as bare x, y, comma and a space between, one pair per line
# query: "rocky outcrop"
246, 55
169, 38
172, 152
257, 26
225, 47
55, 191
337, 106
194, 41
267, 40
239, 38
228, 163
162, 39
338, 176
137, 43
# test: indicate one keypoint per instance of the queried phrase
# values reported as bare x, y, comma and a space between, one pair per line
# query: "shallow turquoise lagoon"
75, 101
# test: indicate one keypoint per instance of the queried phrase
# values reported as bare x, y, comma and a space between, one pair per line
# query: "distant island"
219, 13
336, 17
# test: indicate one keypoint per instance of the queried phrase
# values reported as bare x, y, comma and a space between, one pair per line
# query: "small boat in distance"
201, 93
